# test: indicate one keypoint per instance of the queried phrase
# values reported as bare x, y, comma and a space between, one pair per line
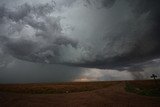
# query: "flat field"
82, 94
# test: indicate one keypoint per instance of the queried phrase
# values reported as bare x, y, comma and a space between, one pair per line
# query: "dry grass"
147, 87
54, 88
105, 94
147, 84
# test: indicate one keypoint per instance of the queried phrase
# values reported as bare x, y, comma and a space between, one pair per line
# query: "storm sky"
78, 40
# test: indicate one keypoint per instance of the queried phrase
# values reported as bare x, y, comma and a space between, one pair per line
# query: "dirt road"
113, 96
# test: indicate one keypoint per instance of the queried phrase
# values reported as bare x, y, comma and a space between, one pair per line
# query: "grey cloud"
47, 32
137, 75
108, 3
20, 71
25, 10
119, 34
101, 3
135, 40
20, 47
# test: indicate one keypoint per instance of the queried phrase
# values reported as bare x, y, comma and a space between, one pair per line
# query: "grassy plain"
81, 94
51, 88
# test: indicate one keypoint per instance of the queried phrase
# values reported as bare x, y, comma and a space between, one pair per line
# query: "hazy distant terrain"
81, 94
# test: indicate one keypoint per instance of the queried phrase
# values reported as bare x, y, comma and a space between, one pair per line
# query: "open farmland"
55, 88
78, 94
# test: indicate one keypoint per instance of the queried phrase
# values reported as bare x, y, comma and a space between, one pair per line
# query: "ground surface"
100, 94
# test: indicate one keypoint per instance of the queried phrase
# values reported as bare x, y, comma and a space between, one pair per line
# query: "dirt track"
113, 96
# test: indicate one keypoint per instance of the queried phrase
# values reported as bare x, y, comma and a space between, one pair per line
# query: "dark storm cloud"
21, 71
102, 3
145, 43
34, 33
48, 30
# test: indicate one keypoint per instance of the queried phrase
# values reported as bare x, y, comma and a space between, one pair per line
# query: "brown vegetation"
55, 88
86, 94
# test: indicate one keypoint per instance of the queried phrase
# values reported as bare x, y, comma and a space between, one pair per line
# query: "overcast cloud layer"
107, 34
102, 34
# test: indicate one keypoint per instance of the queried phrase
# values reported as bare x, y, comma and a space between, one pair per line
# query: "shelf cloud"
106, 34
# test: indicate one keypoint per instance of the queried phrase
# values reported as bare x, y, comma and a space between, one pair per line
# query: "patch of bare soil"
112, 96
